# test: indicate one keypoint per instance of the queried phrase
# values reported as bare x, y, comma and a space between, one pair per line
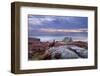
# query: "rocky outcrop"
79, 44
56, 50
81, 52
67, 40
66, 52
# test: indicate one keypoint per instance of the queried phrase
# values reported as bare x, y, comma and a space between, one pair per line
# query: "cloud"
49, 30
39, 20
54, 24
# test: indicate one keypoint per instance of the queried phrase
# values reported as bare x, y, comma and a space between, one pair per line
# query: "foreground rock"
38, 50
66, 52
81, 52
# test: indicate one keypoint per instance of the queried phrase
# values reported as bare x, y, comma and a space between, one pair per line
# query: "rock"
63, 51
82, 52
46, 56
57, 55
67, 40
79, 44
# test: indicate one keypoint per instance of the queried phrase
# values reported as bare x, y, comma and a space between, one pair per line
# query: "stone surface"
66, 53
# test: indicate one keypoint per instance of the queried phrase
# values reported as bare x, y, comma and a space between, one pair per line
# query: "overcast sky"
56, 25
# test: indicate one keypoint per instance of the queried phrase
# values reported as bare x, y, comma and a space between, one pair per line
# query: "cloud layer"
62, 30
43, 25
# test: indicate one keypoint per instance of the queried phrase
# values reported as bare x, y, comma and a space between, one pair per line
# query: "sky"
42, 25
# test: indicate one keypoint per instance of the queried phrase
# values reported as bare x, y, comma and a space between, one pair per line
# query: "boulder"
67, 40
62, 52
82, 52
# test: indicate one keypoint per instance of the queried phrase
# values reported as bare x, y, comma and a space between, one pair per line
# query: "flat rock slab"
63, 52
